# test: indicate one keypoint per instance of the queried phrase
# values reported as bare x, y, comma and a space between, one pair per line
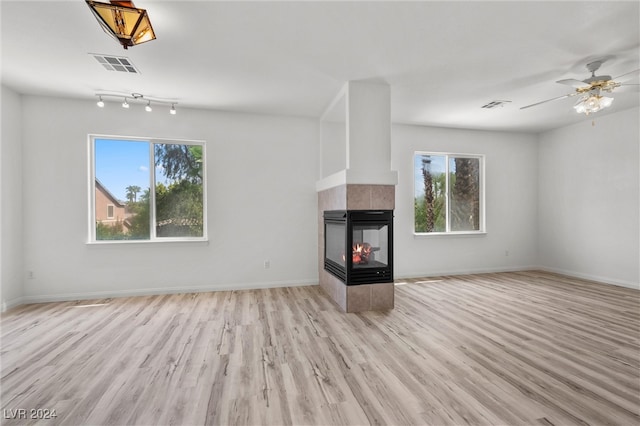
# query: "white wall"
589, 187
11, 273
368, 127
261, 203
334, 147
11, 260
511, 203
333, 136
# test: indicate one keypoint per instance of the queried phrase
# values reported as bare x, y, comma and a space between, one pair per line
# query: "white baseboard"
446, 272
8, 304
290, 283
65, 297
604, 280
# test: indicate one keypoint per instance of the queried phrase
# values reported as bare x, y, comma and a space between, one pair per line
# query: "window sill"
449, 234
204, 242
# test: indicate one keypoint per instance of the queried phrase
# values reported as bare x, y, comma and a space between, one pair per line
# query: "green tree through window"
447, 195
124, 172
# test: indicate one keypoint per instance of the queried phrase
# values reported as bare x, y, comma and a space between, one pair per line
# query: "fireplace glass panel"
359, 245
335, 240
370, 246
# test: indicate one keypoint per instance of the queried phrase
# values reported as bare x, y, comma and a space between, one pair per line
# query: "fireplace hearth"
359, 245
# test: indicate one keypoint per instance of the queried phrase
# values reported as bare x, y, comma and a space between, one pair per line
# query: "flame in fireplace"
361, 253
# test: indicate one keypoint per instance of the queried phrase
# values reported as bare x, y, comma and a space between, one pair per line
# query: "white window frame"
152, 194
448, 231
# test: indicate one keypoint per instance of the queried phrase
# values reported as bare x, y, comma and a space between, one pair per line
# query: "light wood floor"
504, 349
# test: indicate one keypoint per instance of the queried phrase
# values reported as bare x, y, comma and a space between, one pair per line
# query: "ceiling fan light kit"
592, 103
123, 21
590, 90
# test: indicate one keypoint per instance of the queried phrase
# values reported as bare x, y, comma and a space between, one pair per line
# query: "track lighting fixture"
135, 98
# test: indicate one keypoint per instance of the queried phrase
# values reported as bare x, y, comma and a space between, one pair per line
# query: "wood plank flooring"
527, 348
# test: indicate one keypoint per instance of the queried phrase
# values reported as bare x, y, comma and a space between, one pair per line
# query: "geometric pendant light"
123, 21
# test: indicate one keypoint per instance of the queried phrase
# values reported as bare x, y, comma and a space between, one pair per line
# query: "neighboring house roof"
109, 195
180, 222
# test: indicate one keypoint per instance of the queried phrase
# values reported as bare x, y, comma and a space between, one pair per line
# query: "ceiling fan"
590, 90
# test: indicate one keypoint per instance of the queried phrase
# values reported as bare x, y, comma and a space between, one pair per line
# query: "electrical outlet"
267, 264
30, 275
506, 253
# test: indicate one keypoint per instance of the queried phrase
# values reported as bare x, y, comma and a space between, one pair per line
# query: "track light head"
173, 111
100, 102
148, 107
125, 104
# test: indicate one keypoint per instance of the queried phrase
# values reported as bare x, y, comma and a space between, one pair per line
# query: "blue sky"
121, 163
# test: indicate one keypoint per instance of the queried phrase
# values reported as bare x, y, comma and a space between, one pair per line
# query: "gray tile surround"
364, 297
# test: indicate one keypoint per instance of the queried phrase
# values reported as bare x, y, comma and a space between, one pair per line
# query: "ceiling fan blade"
573, 82
549, 100
627, 87
627, 74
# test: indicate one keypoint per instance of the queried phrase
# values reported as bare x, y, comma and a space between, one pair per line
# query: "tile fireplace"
355, 259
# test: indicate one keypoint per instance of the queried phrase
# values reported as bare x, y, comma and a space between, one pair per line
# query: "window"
448, 195
149, 190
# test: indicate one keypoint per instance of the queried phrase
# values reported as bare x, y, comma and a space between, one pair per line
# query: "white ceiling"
443, 60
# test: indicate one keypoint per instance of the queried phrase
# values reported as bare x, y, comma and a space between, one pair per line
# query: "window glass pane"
179, 190
121, 180
464, 183
430, 193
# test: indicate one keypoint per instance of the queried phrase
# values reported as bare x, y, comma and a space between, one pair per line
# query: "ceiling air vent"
116, 63
494, 104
